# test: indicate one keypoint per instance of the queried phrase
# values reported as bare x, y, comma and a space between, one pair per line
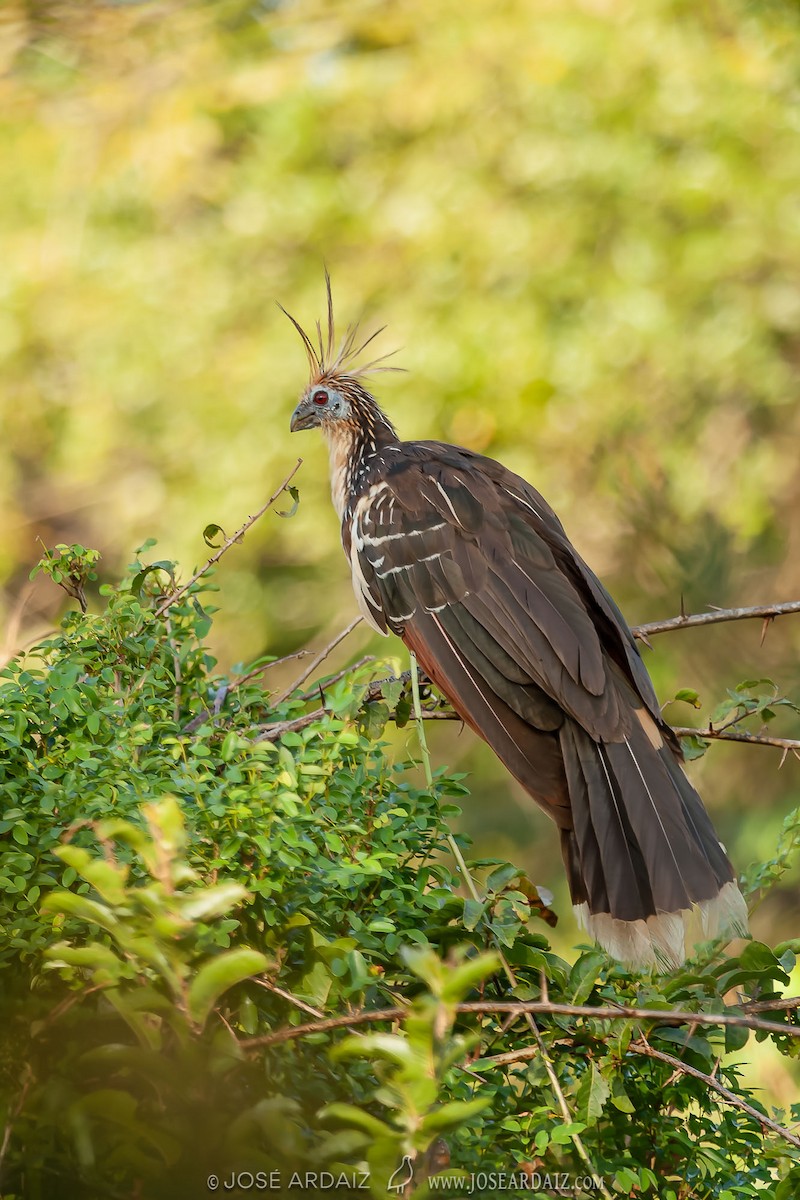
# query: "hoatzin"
470, 566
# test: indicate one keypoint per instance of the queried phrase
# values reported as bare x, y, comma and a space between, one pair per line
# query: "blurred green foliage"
581, 220
192, 869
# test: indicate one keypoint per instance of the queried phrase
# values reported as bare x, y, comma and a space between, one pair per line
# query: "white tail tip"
661, 941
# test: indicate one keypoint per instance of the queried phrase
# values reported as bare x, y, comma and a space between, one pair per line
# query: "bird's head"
334, 397
326, 402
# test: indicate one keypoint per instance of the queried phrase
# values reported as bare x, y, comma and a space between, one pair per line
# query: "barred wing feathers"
472, 568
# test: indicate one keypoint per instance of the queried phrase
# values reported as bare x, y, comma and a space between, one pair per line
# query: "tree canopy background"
581, 222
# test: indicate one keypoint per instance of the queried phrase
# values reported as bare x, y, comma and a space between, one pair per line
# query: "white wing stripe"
526, 503
367, 540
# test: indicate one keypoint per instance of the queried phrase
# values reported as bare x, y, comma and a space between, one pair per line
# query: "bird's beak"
303, 417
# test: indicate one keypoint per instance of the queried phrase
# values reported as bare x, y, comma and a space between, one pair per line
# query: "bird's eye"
320, 398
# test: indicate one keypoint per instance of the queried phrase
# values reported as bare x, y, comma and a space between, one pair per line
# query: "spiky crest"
324, 361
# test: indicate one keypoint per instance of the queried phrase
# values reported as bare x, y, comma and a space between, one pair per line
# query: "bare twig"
271, 733
284, 995
687, 621
226, 545
295, 1000
211, 714
724, 733
640, 1046
789, 745
730, 735
323, 654
440, 715
784, 1003
362, 662
276, 662
546, 1008
644, 1048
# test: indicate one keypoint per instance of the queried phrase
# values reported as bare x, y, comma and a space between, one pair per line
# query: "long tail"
647, 873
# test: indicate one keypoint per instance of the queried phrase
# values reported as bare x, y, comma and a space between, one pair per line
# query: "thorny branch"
766, 612
222, 693
744, 1019
226, 545
275, 662
270, 733
329, 682
640, 1046
643, 1047
312, 666
731, 735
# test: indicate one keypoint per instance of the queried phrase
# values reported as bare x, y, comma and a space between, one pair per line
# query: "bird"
469, 565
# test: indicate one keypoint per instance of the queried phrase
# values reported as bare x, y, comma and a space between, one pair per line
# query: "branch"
730, 735
225, 689
226, 545
271, 733
284, 995
642, 1047
356, 666
686, 621
724, 734
782, 1002
323, 654
547, 1008
276, 662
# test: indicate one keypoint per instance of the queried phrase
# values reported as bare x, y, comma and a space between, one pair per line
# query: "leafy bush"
234, 944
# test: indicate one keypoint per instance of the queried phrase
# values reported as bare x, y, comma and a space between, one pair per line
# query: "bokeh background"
581, 223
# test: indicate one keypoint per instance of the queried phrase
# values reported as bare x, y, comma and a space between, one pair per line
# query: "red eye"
320, 397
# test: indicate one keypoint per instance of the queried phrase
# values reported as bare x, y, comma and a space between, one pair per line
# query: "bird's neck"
354, 452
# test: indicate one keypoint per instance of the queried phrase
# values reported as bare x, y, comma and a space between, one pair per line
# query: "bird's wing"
453, 551
468, 564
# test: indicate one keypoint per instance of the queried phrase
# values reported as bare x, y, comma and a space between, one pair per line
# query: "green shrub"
191, 870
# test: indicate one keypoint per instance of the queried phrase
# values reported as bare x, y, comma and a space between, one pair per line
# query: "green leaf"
295, 495
218, 976
454, 1114
402, 712
583, 975
689, 696
473, 913
107, 879
81, 907
693, 746
425, 965
94, 956
756, 956
210, 532
212, 901
459, 981
348, 1114
619, 1097
736, 1037
682, 1037
391, 692
593, 1095
315, 984
563, 1134
389, 1046
138, 581
501, 877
